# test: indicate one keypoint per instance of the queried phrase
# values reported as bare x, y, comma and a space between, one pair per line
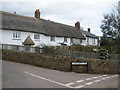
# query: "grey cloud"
64, 11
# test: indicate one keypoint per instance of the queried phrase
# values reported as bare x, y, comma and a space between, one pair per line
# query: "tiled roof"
88, 34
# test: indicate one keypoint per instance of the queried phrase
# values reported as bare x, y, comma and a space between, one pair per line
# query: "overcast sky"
88, 12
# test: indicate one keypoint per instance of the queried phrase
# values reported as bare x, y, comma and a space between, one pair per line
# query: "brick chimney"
89, 30
37, 14
77, 25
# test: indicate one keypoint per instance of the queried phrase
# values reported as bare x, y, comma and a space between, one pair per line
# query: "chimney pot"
77, 25
37, 14
15, 12
88, 29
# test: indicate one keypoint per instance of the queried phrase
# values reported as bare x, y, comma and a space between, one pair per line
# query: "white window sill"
37, 39
16, 39
65, 42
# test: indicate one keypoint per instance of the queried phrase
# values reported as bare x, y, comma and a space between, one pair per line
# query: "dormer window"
16, 35
65, 39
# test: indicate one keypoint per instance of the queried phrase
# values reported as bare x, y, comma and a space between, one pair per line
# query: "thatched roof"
88, 34
30, 24
28, 41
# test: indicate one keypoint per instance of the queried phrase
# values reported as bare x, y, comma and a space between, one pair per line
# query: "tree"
111, 28
111, 23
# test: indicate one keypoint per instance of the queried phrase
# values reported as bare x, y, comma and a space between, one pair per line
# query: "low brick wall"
61, 63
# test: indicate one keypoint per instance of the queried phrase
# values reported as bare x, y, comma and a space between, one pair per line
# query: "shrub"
49, 50
103, 53
83, 48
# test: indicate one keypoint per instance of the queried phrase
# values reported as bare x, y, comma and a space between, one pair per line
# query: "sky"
88, 12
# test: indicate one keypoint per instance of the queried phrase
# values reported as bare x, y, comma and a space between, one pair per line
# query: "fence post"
71, 66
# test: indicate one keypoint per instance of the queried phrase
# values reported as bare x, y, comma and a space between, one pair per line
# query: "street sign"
79, 64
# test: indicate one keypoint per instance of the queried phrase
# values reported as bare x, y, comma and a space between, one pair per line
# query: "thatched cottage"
24, 30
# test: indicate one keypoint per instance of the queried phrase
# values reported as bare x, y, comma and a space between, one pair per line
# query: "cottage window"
65, 39
36, 36
16, 35
72, 41
81, 41
93, 41
52, 38
87, 40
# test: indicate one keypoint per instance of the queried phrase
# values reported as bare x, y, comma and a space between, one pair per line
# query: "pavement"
16, 75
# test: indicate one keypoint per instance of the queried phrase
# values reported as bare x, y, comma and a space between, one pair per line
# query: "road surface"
16, 75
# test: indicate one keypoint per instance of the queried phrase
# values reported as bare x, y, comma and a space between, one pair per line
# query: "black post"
71, 66
87, 67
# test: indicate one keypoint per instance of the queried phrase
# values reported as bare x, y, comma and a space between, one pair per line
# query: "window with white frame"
80, 41
72, 41
52, 38
37, 36
87, 40
65, 39
16, 35
93, 40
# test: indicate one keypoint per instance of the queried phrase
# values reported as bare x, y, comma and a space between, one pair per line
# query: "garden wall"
61, 63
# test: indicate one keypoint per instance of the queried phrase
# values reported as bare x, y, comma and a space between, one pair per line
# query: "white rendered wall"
91, 41
0, 36
76, 41
7, 38
84, 42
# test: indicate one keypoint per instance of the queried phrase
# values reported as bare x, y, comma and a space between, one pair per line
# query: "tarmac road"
16, 75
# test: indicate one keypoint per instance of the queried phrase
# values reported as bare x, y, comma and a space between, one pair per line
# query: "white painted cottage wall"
0, 36
91, 41
77, 41
96, 42
59, 40
84, 42
7, 38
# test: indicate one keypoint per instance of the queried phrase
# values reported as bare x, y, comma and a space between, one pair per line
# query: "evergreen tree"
111, 23
111, 28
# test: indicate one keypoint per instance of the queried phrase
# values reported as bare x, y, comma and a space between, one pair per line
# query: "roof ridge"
57, 23
88, 32
21, 16
16, 15
40, 26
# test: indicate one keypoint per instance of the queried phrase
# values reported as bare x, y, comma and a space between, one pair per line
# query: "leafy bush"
112, 49
82, 48
49, 49
103, 54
